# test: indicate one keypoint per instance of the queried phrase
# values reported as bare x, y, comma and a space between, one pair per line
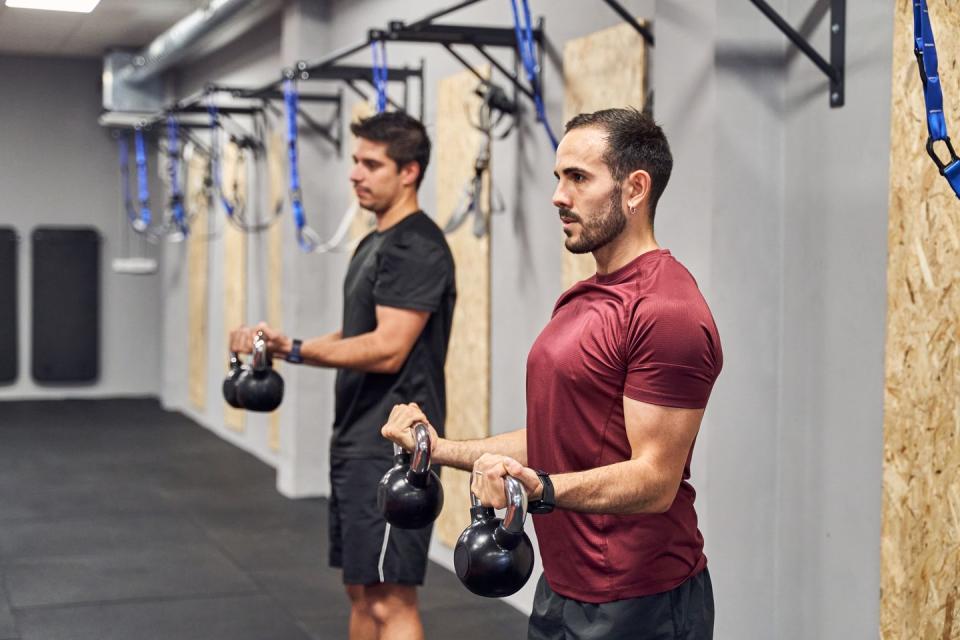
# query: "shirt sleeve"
672, 354
413, 272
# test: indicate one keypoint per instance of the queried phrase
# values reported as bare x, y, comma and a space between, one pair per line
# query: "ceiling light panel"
74, 6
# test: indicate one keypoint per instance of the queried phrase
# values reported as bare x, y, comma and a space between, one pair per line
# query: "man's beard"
601, 229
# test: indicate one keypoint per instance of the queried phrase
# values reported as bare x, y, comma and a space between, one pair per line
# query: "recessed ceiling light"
76, 6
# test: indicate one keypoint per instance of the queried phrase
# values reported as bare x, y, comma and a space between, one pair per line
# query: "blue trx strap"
926, 51
215, 157
176, 196
143, 182
296, 196
380, 73
528, 54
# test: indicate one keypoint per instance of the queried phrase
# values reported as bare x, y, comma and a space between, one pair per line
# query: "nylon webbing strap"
380, 73
215, 157
143, 182
925, 49
290, 100
527, 46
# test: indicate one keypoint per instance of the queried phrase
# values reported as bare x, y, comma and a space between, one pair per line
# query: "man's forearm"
628, 487
365, 352
461, 454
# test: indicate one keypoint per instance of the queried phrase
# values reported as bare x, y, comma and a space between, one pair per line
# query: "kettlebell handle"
235, 359
512, 523
260, 359
420, 463
516, 505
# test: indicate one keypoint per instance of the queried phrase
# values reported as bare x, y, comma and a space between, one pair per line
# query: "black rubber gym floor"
119, 520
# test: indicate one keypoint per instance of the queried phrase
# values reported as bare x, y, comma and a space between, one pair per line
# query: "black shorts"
368, 549
685, 613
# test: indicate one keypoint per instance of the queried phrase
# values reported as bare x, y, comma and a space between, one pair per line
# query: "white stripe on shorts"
383, 551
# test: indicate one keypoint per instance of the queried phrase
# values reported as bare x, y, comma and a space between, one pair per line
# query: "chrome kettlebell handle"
420, 462
516, 505
260, 356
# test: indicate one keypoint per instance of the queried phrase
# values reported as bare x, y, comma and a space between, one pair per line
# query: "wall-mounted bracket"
834, 69
643, 30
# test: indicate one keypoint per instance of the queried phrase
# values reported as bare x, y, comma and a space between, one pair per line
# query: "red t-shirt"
644, 332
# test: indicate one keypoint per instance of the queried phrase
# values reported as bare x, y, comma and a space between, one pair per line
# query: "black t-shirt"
408, 266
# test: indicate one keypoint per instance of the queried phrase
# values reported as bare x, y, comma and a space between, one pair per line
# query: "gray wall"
833, 316
60, 168
777, 205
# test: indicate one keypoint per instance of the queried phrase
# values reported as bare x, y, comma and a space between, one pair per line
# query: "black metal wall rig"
259, 101
834, 69
332, 131
353, 75
422, 30
480, 38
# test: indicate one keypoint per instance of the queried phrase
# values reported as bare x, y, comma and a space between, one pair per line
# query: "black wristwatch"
547, 500
294, 356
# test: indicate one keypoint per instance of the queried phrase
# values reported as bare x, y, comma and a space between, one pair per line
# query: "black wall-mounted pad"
66, 305
8, 306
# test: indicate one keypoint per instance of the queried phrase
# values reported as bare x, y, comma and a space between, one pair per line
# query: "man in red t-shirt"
617, 384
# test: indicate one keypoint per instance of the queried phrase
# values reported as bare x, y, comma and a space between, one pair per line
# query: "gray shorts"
685, 613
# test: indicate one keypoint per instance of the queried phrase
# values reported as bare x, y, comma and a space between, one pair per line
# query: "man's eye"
578, 177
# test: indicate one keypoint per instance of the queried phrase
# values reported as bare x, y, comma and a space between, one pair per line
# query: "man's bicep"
400, 327
662, 436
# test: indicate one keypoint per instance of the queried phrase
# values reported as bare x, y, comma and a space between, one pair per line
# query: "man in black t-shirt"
399, 295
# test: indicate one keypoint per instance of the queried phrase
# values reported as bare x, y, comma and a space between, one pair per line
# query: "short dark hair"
634, 142
405, 137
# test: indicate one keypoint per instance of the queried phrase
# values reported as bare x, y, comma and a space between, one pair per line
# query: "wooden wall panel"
920, 543
277, 170
468, 359
198, 285
234, 272
601, 70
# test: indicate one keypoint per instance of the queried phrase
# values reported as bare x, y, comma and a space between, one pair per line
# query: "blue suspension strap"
926, 51
141, 223
176, 195
306, 238
380, 73
214, 114
528, 54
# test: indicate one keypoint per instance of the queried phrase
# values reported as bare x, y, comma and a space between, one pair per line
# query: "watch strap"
547, 500
294, 356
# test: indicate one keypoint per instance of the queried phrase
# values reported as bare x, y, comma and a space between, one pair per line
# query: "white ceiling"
113, 24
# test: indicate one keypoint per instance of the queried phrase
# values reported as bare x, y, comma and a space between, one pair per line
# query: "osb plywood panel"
276, 167
363, 221
920, 543
602, 70
234, 272
198, 286
468, 359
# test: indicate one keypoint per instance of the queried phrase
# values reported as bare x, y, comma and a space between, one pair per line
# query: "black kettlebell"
410, 495
260, 388
230, 382
493, 557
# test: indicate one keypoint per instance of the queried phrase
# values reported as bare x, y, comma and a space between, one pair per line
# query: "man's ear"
638, 189
409, 173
